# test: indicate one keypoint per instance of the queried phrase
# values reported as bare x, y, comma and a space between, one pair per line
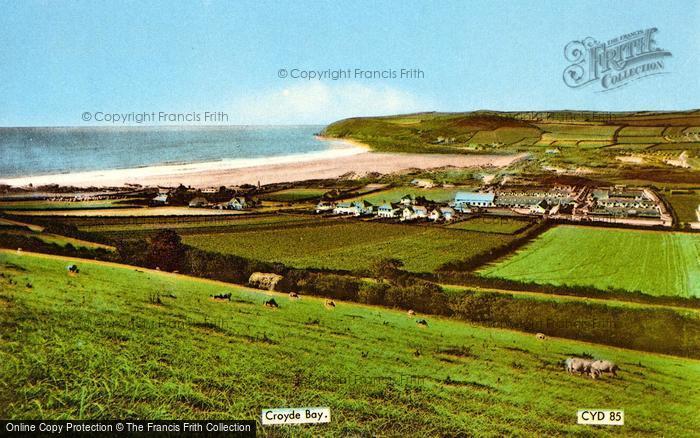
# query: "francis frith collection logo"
614, 63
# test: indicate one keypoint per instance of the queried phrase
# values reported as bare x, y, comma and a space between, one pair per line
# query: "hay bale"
264, 280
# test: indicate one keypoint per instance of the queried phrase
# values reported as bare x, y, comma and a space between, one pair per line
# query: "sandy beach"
342, 158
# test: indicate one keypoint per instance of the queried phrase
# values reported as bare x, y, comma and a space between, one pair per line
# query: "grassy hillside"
494, 131
656, 263
114, 341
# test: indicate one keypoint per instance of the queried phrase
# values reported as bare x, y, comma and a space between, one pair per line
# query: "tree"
387, 268
166, 251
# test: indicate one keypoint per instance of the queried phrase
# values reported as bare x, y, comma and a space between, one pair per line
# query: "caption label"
296, 416
601, 417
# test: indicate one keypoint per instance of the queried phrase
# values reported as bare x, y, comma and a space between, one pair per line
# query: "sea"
49, 151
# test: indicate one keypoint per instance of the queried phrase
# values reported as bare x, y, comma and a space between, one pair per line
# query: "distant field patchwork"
655, 263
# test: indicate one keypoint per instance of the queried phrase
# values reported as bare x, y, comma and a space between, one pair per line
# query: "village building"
414, 212
344, 208
198, 202
237, 203
420, 212
540, 208
447, 213
423, 183
464, 200
355, 208
364, 207
324, 206
162, 198
406, 200
388, 210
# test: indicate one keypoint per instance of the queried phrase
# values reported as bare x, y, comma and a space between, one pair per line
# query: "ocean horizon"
41, 151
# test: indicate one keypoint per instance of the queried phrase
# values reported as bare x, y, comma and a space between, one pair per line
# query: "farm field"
501, 225
685, 205
656, 263
396, 193
62, 205
117, 349
125, 229
352, 245
297, 194
4, 223
57, 239
136, 211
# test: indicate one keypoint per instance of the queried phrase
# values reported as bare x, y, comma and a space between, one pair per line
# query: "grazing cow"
271, 303
411, 313
330, 303
222, 296
73, 269
579, 366
293, 295
422, 322
541, 336
604, 366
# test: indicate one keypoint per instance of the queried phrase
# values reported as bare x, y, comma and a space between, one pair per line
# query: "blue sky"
60, 59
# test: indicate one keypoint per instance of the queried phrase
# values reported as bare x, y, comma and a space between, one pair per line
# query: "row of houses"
562, 202
406, 210
235, 203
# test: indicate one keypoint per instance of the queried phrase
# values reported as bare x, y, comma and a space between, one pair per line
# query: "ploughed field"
656, 263
115, 341
351, 244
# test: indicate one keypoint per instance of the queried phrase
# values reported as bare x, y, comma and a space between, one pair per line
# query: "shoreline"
342, 158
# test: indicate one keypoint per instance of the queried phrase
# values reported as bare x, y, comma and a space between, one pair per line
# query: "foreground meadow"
115, 341
656, 263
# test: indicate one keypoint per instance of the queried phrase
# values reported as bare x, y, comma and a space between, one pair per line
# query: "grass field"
127, 212
98, 345
12, 223
685, 205
501, 225
351, 245
292, 195
396, 193
61, 205
58, 240
657, 263
126, 229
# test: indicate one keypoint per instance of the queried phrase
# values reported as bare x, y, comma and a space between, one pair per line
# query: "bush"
372, 293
